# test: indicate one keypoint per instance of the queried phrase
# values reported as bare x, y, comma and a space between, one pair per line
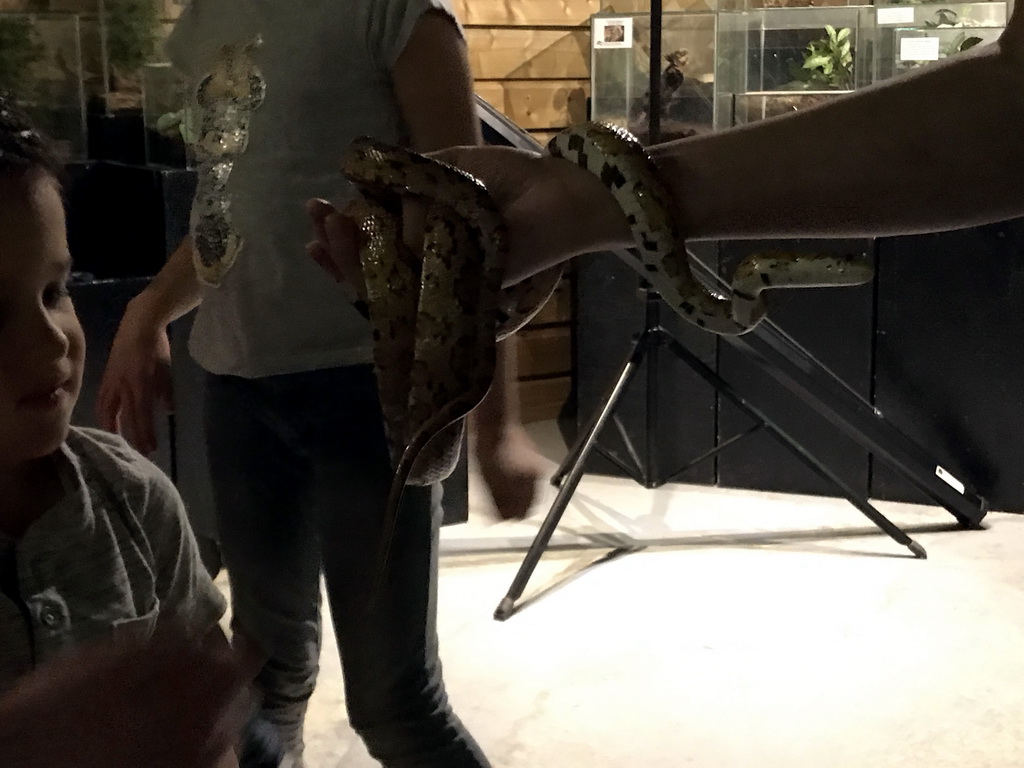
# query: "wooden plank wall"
531, 60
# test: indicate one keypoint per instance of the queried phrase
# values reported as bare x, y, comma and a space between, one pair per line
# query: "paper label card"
950, 480
613, 33
919, 49
899, 15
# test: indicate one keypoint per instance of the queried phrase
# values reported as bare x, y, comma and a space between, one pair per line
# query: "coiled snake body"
437, 316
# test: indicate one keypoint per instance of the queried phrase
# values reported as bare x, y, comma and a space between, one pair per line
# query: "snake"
437, 314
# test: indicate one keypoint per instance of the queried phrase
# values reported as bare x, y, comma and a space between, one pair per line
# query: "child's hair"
22, 147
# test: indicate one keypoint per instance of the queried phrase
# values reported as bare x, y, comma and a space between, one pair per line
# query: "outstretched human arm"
934, 150
938, 149
137, 375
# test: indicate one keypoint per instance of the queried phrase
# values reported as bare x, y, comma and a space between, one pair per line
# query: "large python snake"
437, 316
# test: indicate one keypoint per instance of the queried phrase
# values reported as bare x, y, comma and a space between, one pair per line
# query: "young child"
94, 543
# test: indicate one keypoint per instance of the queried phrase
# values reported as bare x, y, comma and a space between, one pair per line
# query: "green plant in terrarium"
176, 123
827, 64
131, 32
20, 50
946, 17
959, 44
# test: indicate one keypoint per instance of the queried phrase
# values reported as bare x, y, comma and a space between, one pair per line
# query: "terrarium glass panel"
779, 60
620, 72
41, 66
129, 34
167, 126
754, 5
912, 36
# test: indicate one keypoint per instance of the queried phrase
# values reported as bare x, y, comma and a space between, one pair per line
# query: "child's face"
42, 347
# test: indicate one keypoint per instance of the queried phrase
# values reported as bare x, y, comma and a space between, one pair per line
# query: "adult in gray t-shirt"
298, 458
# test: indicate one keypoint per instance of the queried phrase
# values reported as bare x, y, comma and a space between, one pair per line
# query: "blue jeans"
300, 472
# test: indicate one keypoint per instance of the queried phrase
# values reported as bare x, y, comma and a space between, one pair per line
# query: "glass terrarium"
779, 60
41, 67
750, 5
620, 72
128, 32
164, 106
913, 36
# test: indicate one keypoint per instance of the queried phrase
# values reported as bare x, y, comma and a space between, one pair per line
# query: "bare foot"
512, 468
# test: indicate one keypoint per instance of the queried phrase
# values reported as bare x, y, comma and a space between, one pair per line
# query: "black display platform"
610, 313
836, 325
118, 136
949, 356
123, 220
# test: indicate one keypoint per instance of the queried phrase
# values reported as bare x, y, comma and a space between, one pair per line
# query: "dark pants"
301, 473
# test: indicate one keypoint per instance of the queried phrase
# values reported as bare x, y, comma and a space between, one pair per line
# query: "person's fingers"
343, 237
164, 388
108, 407
210, 708
132, 429
414, 224
251, 658
144, 401
318, 210
319, 254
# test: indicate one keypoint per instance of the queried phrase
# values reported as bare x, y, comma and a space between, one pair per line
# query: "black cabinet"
610, 313
949, 367
124, 220
835, 325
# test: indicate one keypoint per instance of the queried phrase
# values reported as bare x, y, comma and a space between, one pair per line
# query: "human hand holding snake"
481, 273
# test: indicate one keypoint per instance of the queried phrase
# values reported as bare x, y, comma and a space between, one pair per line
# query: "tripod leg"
861, 503
601, 416
572, 472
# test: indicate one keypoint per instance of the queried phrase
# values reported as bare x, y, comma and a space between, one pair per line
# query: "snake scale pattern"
436, 315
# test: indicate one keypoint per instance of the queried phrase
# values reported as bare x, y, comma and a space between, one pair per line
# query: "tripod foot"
504, 609
918, 550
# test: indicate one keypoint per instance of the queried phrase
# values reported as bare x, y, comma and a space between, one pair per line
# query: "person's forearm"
937, 150
499, 410
173, 292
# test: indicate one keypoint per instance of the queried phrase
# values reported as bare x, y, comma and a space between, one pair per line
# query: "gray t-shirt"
325, 64
109, 558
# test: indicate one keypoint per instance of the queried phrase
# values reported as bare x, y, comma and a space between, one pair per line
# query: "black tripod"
784, 359
648, 344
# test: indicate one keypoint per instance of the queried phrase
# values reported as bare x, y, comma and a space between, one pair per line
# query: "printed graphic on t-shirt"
225, 100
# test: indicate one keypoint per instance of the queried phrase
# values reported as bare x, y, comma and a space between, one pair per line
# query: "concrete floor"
753, 630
